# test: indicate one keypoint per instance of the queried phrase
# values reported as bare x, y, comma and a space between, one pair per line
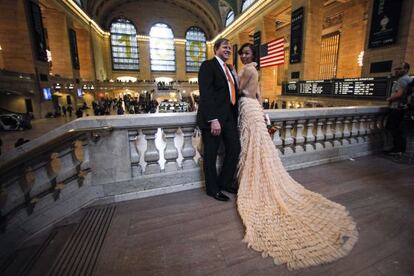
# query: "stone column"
180, 59
87, 68
144, 58
151, 155
312, 33
58, 38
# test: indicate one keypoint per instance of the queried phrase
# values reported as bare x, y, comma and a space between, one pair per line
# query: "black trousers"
394, 125
230, 136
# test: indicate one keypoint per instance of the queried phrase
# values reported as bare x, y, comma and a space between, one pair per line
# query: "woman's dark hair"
252, 48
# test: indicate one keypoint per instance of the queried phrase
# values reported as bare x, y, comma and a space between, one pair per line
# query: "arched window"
246, 4
229, 18
162, 48
124, 45
195, 48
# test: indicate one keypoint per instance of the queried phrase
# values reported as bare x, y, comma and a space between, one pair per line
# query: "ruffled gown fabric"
284, 220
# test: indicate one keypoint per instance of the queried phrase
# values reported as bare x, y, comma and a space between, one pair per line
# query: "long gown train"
293, 225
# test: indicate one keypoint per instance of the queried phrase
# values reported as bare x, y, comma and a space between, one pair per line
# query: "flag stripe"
273, 53
271, 59
271, 64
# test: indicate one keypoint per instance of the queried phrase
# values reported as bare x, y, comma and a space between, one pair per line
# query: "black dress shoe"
220, 196
231, 190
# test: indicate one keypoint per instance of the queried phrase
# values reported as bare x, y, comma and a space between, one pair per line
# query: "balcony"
96, 161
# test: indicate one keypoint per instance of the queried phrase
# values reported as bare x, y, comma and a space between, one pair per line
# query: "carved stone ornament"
78, 151
29, 177
55, 164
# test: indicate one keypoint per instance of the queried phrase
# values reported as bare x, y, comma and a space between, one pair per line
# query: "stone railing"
113, 158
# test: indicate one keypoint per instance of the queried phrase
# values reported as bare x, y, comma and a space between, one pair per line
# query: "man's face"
398, 72
224, 51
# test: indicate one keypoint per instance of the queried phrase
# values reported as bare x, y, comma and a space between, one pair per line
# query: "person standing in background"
397, 104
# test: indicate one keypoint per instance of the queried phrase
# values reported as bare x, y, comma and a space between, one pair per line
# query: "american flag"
272, 53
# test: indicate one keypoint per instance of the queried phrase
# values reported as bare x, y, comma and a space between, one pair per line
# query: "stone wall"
15, 37
58, 40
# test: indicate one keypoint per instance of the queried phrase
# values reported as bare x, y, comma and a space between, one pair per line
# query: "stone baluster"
347, 131
369, 128
26, 185
299, 137
329, 135
354, 130
288, 140
170, 151
369, 124
86, 161
277, 140
320, 136
362, 129
188, 151
310, 138
151, 155
339, 134
136, 169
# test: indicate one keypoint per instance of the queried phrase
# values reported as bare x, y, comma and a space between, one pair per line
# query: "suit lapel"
218, 67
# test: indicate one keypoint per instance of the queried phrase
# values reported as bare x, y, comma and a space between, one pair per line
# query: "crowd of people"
125, 105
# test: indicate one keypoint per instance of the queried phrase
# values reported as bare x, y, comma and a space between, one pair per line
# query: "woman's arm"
258, 94
245, 77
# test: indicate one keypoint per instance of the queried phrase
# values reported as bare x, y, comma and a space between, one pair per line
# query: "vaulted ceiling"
207, 12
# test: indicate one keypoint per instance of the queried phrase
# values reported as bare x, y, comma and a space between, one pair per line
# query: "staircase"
70, 248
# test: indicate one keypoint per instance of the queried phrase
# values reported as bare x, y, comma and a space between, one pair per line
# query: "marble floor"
188, 233
39, 127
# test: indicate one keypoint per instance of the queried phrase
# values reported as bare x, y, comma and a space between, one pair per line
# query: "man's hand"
215, 128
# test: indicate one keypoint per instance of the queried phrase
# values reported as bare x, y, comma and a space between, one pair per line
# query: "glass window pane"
229, 18
246, 4
124, 45
162, 48
195, 49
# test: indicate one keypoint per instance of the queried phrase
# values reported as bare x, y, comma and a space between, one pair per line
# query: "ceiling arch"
206, 11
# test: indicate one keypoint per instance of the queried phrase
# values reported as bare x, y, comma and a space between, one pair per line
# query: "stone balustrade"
145, 155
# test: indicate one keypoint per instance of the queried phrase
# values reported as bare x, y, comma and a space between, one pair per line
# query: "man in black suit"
217, 119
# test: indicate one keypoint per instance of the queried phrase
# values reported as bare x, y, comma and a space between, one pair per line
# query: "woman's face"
246, 55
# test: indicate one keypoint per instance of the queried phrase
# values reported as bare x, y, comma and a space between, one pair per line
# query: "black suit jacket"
215, 102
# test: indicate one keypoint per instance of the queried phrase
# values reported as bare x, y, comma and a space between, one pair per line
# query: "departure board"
323, 87
361, 88
374, 88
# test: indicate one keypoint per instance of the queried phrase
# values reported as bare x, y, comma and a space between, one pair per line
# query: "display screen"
375, 88
79, 92
47, 93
